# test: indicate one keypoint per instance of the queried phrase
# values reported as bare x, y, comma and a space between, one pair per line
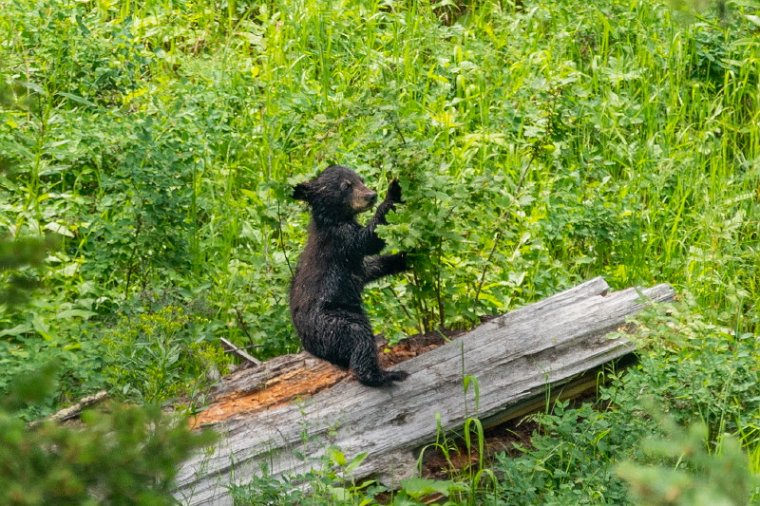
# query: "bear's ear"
301, 191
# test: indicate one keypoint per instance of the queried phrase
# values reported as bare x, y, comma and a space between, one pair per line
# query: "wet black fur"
340, 258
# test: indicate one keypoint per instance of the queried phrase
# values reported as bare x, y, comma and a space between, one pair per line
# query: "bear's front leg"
376, 267
370, 243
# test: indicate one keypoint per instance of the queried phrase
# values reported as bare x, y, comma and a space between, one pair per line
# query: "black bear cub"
340, 258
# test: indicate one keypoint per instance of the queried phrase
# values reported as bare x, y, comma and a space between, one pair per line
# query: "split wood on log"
514, 358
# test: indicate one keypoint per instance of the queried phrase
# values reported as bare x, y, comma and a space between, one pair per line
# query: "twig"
282, 242
401, 303
231, 348
244, 327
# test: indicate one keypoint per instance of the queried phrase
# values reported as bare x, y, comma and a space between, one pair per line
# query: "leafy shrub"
129, 455
570, 460
161, 355
328, 484
692, 475
325, 484
16, 257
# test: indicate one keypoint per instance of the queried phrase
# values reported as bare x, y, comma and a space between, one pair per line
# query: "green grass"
538, 144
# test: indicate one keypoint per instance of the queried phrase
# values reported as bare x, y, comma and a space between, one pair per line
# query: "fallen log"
514, 358
75, 410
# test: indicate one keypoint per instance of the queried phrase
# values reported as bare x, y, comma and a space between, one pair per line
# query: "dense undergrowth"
538, 144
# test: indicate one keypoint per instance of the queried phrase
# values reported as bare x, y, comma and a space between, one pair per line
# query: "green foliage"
694, 475
129, 455
160, 355
530, 142
694, 369
18, 259
470, 481
415, 491
570, 460
330, 483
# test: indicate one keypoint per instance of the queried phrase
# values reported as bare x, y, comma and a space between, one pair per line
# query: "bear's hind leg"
365, 365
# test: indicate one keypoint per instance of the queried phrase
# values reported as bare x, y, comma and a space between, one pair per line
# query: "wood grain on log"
514, 358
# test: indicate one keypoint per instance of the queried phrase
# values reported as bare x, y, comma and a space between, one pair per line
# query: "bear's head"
338, 193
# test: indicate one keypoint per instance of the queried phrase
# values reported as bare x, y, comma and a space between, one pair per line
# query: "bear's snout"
363, 200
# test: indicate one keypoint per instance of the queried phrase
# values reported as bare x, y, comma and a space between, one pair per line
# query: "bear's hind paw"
385, 378
396, 375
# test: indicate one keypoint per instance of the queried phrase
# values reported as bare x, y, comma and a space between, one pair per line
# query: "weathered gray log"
514, 357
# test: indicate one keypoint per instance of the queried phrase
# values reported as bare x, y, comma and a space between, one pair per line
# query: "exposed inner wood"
282, 389
306, 378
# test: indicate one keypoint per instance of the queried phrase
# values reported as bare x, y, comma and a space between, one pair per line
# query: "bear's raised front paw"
394, 192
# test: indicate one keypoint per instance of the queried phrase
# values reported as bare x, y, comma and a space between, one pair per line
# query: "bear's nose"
372, 197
